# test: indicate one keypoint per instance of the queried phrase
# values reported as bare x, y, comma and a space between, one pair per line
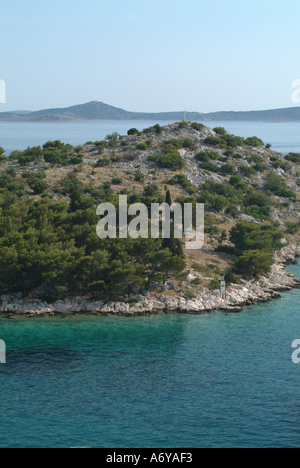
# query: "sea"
161, 381
284, 136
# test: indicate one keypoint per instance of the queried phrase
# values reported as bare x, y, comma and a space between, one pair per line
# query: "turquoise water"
214, 380
283, 136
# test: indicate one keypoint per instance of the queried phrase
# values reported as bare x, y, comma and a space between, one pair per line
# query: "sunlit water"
283, 136
214, 380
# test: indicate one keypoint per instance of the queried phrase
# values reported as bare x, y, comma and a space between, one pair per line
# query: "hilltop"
99, 111
50, 254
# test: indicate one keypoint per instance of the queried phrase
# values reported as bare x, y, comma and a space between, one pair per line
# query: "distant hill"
99, 111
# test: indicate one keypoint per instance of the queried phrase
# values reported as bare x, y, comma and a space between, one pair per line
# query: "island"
95, 110
53, 262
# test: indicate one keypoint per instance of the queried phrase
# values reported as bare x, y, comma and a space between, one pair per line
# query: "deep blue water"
214, 380
283, 136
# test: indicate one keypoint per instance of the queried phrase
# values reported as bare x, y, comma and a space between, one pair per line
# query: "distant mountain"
99, 111
21, 112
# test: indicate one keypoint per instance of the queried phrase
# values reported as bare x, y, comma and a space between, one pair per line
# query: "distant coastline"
94, 110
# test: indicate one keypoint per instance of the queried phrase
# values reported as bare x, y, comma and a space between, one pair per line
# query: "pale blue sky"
150, 55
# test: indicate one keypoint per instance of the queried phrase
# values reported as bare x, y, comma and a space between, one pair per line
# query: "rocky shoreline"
237, 297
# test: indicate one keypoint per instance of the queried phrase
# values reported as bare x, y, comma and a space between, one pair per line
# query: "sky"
150, 55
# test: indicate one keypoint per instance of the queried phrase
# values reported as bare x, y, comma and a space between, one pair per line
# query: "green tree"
133, 131
255, 262
168, 198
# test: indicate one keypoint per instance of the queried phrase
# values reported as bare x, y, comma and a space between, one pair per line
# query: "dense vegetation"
54, 246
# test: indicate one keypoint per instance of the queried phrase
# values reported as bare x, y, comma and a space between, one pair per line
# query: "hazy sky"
150, 55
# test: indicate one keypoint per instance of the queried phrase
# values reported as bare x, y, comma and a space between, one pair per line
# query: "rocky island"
52, 262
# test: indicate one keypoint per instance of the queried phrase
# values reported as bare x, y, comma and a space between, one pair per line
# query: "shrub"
285, 166
292, 228
139, 176
117, 181
247, 171
217, 202
254, 141
206, 156
260, 167
237, 156
286, 193
184, 182
57, 145
78, 149
251, 236
228, 153
220, 130
102, 162
171, 144
233, 211
171, 160
255, 262
107, 186
38, 186
231, 140
215, 284
273, 182
29, 155
142, 146
189, 294
125, 145
158, 129
293, 157
210, 140
198, 126
230, 278
258, 199
197, 281
188, 143
183, 124
209, 167
238, 182
151, 190
133, 131
100, 145
227, 169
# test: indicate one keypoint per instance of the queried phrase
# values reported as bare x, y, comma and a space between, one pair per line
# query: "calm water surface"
214, 380
284, 137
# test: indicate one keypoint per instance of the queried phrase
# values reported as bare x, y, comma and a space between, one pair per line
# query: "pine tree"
168, 198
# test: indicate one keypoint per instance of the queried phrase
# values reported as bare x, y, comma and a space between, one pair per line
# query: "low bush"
293, 157
170, 160
142, 147
253, 141
227, 169
206, 156
209, 167
220, 130
132, 131
198, 126
139, 176
231, 277
247, 170
117, 181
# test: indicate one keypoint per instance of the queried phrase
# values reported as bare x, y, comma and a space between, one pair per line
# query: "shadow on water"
30, 361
